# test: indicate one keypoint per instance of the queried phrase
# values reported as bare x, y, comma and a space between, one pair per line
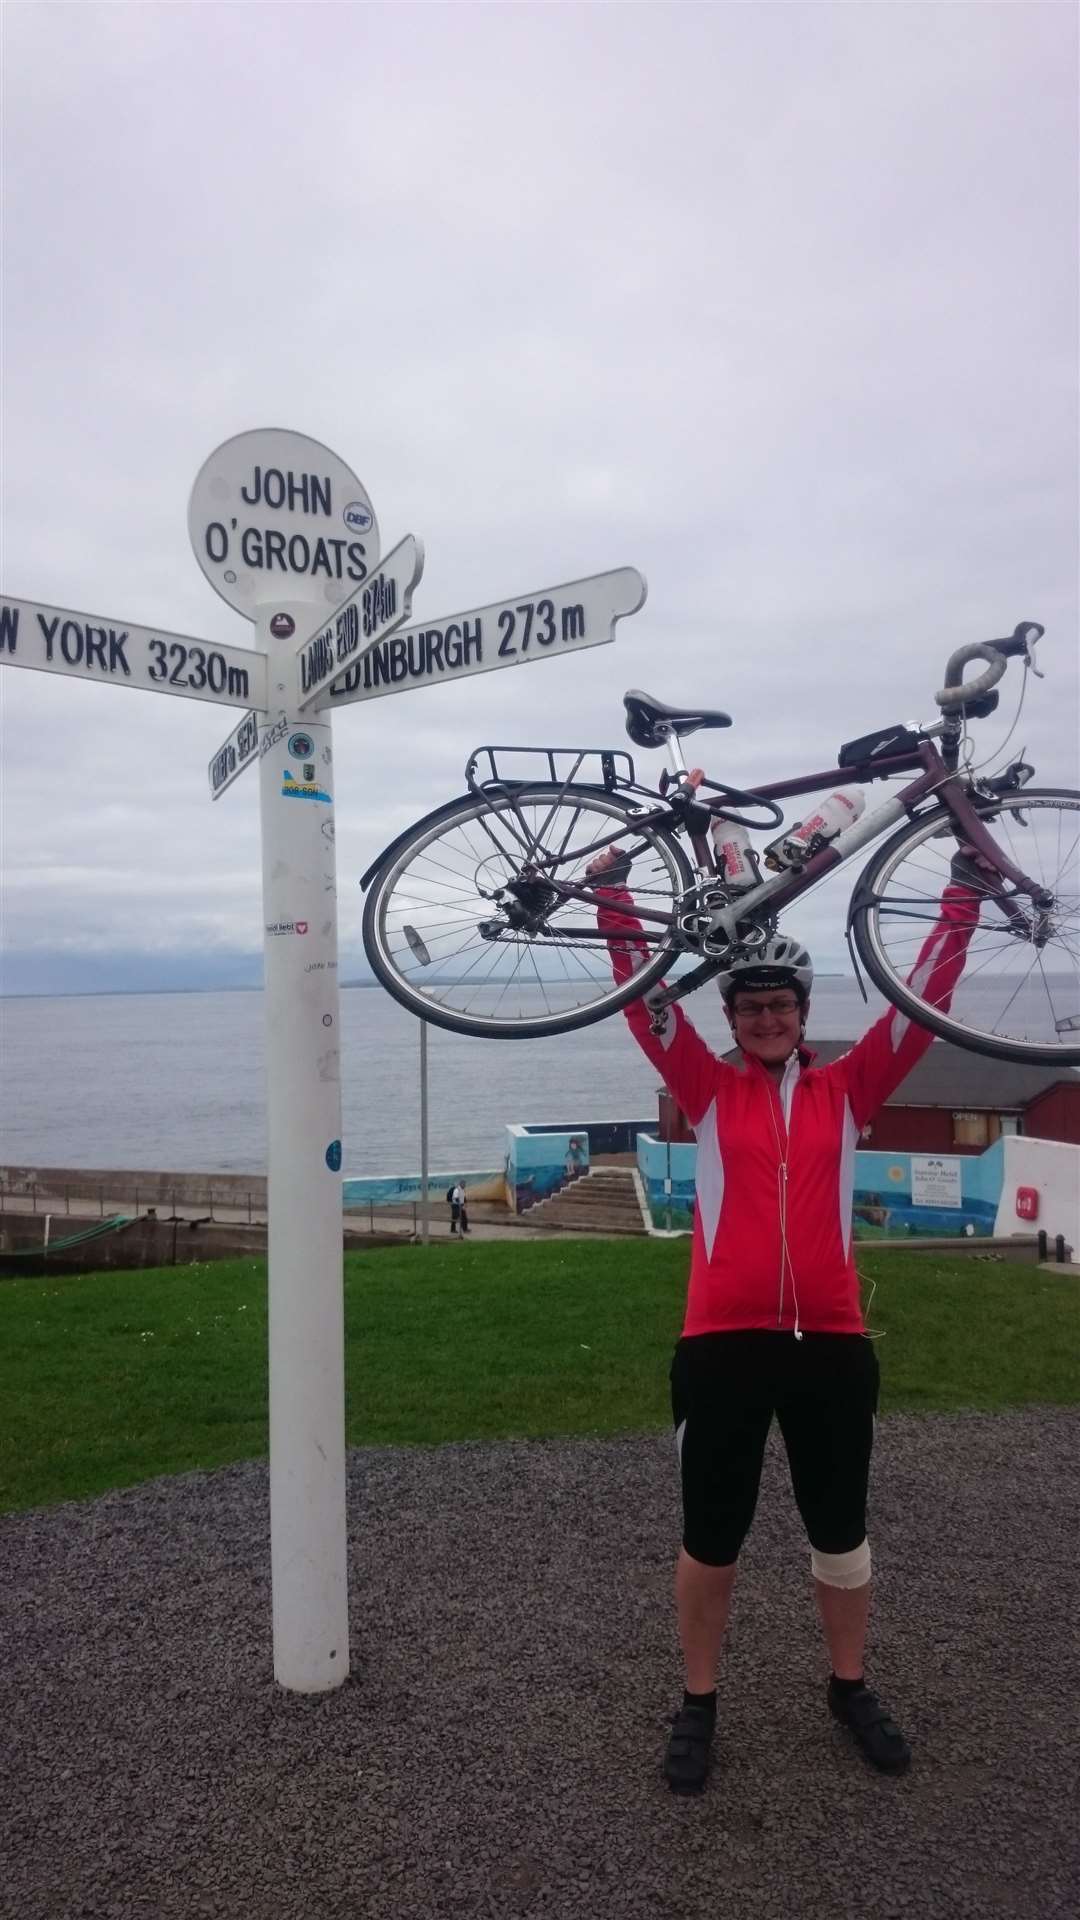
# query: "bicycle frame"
935, 778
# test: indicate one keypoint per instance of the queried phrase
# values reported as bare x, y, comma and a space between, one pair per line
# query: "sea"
175, 1081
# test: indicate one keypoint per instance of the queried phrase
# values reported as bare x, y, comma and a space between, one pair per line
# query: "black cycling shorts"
725, 1388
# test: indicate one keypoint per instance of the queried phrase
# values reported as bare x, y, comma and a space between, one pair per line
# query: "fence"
116, 1197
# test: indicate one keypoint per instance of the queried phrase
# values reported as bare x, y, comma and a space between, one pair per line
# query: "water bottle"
806, 837
736, 860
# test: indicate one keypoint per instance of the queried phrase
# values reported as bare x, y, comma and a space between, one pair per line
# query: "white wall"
1053, 1169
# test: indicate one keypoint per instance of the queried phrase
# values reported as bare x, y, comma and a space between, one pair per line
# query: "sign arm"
540, 625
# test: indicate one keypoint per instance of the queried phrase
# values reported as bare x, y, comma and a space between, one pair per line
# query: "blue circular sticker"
301, 746
333, 1156
357, 517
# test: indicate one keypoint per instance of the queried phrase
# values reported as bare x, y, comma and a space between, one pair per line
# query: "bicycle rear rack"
615, 772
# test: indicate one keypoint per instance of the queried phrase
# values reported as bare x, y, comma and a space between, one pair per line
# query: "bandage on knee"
842, 1569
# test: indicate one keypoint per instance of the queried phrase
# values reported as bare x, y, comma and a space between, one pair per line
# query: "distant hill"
132, 971
125, 970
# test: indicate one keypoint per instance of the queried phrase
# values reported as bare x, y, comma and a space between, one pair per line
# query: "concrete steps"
603, 1201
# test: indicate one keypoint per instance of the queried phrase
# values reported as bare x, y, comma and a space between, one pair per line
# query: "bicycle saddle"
649, 721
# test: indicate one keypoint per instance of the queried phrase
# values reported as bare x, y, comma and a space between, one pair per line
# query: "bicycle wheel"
466, 925
1019, 995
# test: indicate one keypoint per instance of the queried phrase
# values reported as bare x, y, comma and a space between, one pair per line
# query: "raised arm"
894, 1044
688, 1068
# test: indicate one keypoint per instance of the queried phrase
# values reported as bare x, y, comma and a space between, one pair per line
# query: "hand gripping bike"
482, 917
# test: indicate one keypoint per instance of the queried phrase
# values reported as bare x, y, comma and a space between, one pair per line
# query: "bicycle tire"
403, 951
871, 916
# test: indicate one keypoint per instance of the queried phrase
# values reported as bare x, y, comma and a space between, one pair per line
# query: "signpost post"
284, 530
425, 1190
271, 520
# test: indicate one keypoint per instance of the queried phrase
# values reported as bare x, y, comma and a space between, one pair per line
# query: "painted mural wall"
540, 1163
399, 1189
895, 1193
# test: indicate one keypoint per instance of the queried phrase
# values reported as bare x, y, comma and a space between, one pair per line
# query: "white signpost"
282, 529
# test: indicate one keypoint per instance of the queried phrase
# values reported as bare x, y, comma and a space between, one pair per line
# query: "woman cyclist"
773, 1318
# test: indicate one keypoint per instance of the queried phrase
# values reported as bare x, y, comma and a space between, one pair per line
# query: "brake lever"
1032, 633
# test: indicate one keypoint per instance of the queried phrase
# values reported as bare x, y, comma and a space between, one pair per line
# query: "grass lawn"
108, 1379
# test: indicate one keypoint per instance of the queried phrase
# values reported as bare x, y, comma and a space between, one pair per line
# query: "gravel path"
496, 1751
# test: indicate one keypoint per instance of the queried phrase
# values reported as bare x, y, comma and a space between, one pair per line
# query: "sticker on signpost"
276, 515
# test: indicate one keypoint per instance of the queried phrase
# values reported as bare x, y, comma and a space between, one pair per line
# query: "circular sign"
276, 516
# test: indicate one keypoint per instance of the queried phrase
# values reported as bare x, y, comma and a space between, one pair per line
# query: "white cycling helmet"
780, 963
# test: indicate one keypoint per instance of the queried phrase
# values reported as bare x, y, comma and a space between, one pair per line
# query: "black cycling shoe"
876, 1734
686, 1762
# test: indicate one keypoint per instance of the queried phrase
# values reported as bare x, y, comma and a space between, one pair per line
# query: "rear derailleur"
524, 905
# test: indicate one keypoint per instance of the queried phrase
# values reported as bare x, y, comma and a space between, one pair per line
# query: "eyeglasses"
783, 1007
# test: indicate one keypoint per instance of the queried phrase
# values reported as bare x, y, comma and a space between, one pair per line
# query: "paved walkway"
496, 1751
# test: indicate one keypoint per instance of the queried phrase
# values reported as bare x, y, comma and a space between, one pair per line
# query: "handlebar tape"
960, 693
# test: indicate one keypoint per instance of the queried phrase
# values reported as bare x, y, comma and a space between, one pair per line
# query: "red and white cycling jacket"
776, 1163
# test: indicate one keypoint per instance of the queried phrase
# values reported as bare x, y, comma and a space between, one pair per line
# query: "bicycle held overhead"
481, 917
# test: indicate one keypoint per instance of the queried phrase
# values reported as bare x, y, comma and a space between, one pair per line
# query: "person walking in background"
459, 1218
773, 1319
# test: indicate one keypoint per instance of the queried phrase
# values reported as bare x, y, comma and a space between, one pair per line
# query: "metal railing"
106, 1198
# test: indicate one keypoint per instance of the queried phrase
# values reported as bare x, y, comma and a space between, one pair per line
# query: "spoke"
484, 948
447, 884
539, 982
994, 953
561, 953
994, 943
484, 820
1011, 980
1046, 990
441, 866
493, 953
1022, 982
433, 929
482, 856
510, 978
1071, 949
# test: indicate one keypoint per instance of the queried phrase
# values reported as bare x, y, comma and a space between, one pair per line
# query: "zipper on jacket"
783, 1142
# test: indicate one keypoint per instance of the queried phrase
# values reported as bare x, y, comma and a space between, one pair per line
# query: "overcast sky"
776, 303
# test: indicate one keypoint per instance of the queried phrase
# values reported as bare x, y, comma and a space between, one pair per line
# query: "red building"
953, 1101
